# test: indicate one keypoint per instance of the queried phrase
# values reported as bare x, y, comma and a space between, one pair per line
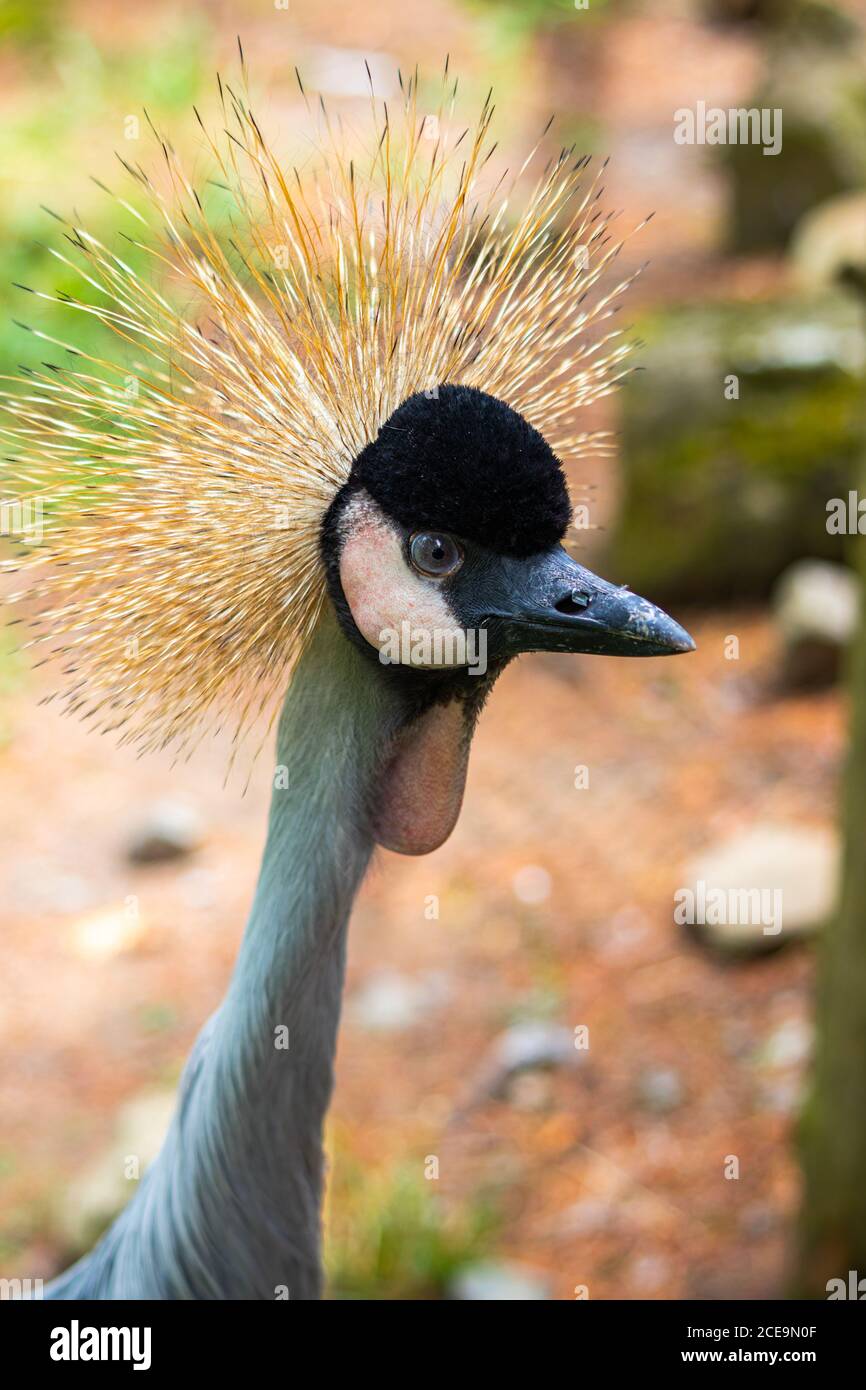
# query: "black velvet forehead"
462, 461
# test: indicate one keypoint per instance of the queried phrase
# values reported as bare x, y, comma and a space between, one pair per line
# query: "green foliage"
48, 145
26, 260
832, 1137
169, 75
528, 15
584, 133
391, 1235
158, 1017
48, 159
543, 1002
29, 24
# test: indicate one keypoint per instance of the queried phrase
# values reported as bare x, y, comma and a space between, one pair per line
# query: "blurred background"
659, 1159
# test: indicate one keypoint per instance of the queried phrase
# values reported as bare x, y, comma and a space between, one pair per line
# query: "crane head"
444, 558
452, 522
277, 442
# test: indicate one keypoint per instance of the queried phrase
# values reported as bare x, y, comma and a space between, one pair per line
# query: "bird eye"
435, 554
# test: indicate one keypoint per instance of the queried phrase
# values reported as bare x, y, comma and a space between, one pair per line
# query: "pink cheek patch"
380, 589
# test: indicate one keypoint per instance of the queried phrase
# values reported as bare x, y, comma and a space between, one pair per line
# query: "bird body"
357, 438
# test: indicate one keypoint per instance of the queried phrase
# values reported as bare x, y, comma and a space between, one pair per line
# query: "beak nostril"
574, 602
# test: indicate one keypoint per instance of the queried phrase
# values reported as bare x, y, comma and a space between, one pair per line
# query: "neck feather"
231, 1207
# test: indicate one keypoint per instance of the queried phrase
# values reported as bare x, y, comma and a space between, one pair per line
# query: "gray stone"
758, 1220
168, 830
789, 1045
525, 1047
499, 1282
815, 608
829, 245
341, 72
589, 1217
784, 1095
36, 886
660, 1090
93, 1199
391, 1003
647, 1273
799, 862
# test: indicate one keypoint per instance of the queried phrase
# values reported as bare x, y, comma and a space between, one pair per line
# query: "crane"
316, 479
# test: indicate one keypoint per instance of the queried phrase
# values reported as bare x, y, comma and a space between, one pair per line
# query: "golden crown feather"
210, 446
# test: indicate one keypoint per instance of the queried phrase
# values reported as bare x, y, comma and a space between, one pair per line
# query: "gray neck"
231, 1207
275, 1036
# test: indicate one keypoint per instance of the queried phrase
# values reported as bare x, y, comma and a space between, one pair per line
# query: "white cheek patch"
405, 617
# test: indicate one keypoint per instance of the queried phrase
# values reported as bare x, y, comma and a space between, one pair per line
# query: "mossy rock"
814, 21
722, 494
822, 96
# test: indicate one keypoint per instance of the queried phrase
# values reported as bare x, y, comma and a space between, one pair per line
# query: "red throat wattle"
421, 790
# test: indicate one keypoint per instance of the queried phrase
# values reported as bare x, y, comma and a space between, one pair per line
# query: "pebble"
499, 1282
167, 830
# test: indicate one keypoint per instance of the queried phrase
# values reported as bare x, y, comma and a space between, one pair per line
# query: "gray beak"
549, 602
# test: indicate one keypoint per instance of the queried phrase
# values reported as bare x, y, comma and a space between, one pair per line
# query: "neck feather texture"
231, 1207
